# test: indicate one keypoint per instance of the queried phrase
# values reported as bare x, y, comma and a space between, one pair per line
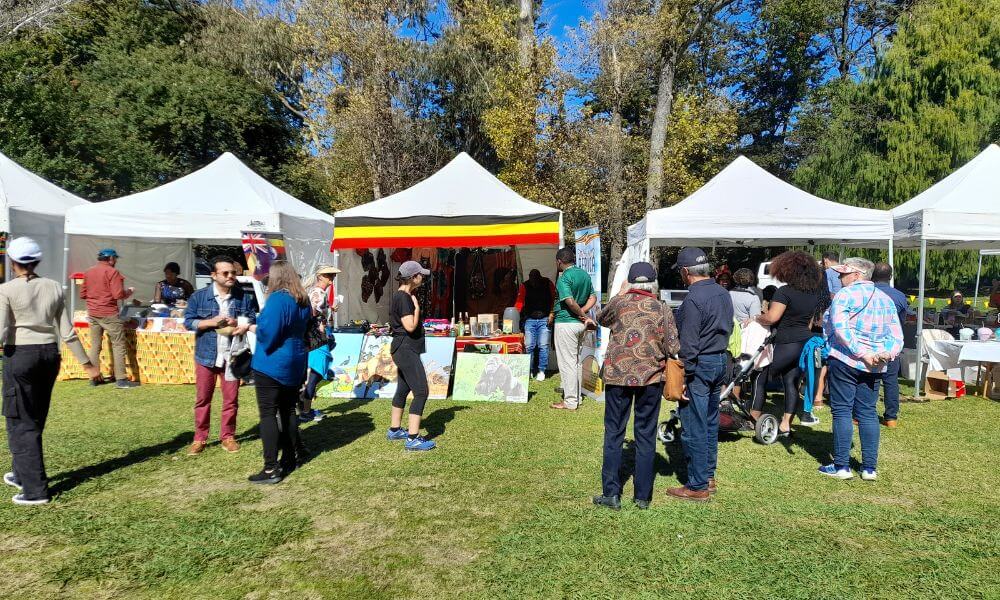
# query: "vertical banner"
260, 250
588, 257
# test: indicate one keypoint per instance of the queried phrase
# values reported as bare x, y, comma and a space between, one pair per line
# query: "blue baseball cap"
107, 253
641, 272
691, 257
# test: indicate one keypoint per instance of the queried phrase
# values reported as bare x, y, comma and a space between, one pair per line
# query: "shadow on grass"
336, 432
65, 482
435, 422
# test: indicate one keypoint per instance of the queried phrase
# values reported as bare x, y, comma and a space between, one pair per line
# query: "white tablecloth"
961, 359
980, 352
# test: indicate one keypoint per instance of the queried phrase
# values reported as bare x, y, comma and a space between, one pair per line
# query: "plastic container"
965, 334
512, 316
984, 334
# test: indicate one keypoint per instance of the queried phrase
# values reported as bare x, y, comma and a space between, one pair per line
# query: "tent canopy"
744, 205
31, 206
960, 211
214, 204
462, 205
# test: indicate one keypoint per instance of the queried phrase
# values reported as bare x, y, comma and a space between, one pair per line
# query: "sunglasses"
225, 273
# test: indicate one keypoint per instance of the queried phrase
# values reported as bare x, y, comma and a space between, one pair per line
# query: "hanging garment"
383, 275
477, 277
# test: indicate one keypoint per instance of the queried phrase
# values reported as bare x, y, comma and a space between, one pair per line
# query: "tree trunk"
658, 134
616, 223
525, 34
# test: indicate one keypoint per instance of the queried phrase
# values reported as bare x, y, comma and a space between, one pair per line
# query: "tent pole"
65, 276
918, 384
336, 264
979, 271
892, 264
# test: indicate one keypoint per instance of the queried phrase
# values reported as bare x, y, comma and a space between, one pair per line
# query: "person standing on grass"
33, 321
746, 302
407, 345
881, 276
212, 313
535, 299
574, 298
643, 336
319, 358
704, 324
279, 367
103, 286
865, 335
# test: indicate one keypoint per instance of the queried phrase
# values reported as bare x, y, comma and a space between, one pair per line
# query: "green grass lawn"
501, 510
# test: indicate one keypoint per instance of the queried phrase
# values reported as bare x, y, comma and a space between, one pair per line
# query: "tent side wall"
141, 261
307, 243
47, 230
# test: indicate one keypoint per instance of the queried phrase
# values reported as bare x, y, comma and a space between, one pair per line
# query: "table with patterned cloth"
152, 357
512, 343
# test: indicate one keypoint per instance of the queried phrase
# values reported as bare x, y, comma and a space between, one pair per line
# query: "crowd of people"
849, 307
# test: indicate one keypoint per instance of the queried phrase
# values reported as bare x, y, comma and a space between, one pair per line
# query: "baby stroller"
734, 411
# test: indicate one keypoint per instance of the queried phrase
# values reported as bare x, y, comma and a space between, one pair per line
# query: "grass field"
501, 510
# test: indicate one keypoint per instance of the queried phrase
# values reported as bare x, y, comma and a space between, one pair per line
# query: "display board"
376, 372
588, 258
492, 377
342, 376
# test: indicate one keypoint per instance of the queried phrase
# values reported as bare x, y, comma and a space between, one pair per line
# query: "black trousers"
412, 378
618, 401
29, 373
786, 366
278, 425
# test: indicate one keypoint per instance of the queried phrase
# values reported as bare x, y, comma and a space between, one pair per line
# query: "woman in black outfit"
407, 346
790, 313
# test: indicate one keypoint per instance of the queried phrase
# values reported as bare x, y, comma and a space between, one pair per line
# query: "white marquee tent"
210, 206
744, 205
31, 206
960, 211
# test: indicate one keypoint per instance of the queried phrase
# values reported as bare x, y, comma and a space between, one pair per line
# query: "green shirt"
573, 283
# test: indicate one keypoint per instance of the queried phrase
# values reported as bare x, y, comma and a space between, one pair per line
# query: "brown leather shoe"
196, 448
683, 493
711, 486
230, 445
890, 423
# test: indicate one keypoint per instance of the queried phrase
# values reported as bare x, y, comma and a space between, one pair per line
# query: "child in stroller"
734, 410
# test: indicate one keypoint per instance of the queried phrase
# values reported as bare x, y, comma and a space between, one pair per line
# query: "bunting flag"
446, 232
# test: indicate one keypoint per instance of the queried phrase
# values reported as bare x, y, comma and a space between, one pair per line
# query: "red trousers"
204, 380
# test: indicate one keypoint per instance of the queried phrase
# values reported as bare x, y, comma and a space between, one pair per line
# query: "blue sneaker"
833, 471
392, 436
419, 444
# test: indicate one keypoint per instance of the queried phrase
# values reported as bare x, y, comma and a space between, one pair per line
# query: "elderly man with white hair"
864, 334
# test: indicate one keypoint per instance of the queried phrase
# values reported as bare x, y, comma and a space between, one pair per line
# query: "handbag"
673, 380
239, 363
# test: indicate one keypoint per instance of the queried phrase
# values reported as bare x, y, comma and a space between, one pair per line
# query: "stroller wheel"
666, 433
766, 429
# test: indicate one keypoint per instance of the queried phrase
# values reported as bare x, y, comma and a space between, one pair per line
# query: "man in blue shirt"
831, 260
704, 324
881, 276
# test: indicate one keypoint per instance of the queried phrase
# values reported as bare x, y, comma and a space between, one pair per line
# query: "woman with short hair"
643, 336
746, 303
172, 288
790, 314
279, 366
33, 321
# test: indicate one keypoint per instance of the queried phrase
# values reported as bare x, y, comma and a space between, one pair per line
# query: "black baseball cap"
691, 257
641, 272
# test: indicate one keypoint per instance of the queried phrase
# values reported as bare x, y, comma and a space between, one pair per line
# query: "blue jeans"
853, 394
537, 335
700, 419
618, 401
890, 380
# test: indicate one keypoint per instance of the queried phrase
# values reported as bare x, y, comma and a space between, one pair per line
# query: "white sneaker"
20, 499
10, 480
832, 471
869, 474
540, 376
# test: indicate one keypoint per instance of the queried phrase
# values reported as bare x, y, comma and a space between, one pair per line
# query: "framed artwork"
492, 377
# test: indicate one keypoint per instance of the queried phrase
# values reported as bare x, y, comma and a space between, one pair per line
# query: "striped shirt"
862, 321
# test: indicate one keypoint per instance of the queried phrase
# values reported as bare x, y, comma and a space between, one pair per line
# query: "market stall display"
159, 358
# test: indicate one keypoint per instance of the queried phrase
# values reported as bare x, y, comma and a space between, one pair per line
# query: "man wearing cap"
643, 335
103, 287
33, 321
881, 276
864, 333
704, 324
574, 297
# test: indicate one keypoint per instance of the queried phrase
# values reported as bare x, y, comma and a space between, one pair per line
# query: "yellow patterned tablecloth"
152, 357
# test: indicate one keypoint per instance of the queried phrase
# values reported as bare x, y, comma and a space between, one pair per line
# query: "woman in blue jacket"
279, 365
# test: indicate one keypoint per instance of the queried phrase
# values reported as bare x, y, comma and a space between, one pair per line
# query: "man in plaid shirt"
864, 334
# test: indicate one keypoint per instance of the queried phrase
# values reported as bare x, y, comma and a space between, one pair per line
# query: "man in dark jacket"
535, 299
704, 324
213, 313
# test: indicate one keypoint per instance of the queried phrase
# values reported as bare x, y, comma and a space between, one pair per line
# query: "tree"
930, 103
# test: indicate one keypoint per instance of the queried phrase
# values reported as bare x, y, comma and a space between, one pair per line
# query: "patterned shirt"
643, 334
862, 321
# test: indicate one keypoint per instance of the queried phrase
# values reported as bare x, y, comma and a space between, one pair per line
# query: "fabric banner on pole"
261, 250
588, 257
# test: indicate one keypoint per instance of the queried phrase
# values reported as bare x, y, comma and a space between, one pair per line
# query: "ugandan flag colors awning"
462, 205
